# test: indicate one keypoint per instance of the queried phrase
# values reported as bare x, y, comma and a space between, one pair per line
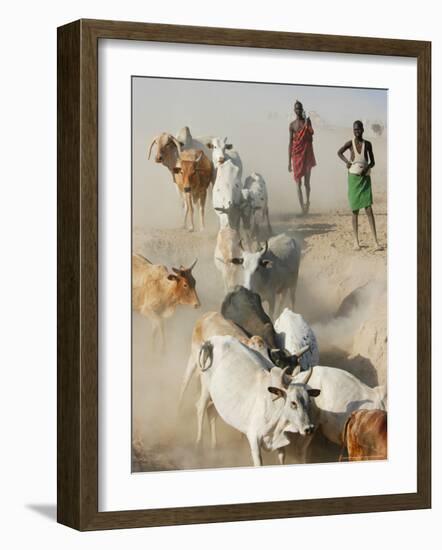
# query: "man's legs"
300, 197
355, 229
307, 190
370, 215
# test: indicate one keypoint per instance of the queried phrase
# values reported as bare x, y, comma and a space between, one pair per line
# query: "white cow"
226, 196
272, 270
252, 396
222, 151
227, 247
341, 394
255, 208
293, 334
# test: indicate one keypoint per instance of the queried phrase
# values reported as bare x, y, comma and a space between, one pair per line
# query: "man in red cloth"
301, 156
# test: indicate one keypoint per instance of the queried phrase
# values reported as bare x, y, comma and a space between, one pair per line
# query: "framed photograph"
243, 274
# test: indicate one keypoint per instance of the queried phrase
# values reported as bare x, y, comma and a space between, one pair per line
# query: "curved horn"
155, 140
199, 157
302, 351
177, 143
192, 266
266, 247
296, 371
240, 245
307, 376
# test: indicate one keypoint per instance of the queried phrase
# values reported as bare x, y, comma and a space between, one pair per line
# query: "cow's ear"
313, 393
172, 277
279, 392
228, 146
181, 143
177, 170
266, 263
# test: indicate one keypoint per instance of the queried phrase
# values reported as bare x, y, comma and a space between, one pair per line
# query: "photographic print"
259, 274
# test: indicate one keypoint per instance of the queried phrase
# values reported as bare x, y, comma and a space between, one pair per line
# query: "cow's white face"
219, 147
251, 263
296, 410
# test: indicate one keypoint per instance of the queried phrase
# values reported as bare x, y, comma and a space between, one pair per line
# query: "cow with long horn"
156, 292
168, 150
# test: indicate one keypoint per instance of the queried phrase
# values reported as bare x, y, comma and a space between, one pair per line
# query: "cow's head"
189, 165
252, 264
295, 414
167, 147
185, 290
219, 147
283, 359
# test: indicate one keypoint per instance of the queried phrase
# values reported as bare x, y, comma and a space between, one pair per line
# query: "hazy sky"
255, 118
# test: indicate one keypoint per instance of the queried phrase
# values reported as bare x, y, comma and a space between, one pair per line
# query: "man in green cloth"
359, 180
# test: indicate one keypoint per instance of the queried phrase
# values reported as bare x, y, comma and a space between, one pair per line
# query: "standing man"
301, 156
359, 181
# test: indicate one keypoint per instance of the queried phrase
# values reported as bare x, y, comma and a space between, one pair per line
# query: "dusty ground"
341, 292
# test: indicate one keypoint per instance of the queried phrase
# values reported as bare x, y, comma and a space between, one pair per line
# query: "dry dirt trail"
341, 293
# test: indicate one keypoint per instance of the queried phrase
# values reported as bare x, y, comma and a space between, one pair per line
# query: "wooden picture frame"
77, 224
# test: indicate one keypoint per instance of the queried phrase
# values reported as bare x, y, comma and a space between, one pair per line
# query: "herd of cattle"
261, 377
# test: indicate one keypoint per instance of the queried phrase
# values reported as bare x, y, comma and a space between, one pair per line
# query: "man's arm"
309, 125
290, 147
370, 155
341, 152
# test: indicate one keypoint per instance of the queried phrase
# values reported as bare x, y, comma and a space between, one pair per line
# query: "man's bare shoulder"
368, 144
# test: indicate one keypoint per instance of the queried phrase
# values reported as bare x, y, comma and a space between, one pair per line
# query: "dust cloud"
341, 293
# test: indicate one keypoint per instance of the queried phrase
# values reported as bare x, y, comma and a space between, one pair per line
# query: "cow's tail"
344, 450
205, 356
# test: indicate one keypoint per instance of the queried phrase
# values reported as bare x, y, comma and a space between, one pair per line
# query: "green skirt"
359, 191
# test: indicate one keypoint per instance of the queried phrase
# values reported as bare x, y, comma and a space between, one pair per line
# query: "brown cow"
365, 435
156, 292
195, 170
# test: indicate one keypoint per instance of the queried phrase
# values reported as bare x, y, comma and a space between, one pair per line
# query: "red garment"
303, 158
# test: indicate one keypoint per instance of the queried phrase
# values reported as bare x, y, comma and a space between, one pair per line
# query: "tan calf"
156, 293
365, 435
195, 170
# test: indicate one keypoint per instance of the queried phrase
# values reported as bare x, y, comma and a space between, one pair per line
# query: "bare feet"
356, 246
378, 248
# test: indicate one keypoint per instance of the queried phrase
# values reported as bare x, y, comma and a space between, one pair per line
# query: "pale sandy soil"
341, 292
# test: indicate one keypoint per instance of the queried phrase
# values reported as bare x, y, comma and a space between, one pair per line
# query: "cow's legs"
201, 408
190, 203
202, 203
255, 449
301, 447
212, 414
281, 455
